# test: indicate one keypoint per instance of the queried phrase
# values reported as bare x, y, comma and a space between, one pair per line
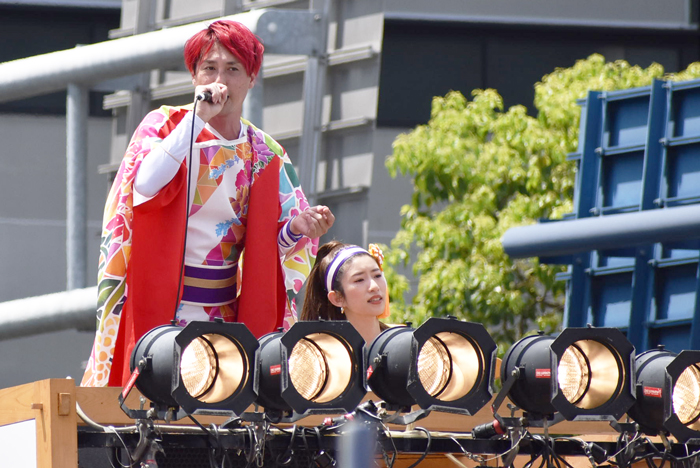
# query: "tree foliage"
477, 170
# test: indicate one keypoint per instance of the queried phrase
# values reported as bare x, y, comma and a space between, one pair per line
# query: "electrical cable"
483, 461
108, 429
684, 458
251, 455
541, 455
586, 447
617, 457
558, 459
289, 452
302, 432
544, 454
472, 456
114, 454
212, 452
427, 446
79, 411
322, 458
198, 424
651, 452
561, 459
130, 465
661, 465
389, 462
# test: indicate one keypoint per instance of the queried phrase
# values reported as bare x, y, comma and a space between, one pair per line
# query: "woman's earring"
342, 310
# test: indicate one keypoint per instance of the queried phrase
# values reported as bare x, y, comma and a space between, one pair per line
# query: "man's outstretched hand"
313, 222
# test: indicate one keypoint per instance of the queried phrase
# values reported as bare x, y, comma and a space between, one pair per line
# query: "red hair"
234, 36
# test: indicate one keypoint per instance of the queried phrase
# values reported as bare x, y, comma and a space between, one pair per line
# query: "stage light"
594, 373
583, 374
314, 367
668, 393
205, 367
526, 370
445, 365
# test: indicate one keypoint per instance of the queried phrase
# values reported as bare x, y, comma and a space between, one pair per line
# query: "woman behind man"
347, 283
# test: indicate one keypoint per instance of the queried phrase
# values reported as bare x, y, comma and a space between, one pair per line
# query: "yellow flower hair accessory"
377, 253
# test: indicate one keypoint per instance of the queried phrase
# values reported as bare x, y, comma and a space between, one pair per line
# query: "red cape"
154, 270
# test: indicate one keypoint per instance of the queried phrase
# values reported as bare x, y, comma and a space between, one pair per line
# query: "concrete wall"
33, 212
33, 235
620, 13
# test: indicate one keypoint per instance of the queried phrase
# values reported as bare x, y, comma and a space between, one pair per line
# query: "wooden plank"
51, 404
16, 404
58, 431
101, 404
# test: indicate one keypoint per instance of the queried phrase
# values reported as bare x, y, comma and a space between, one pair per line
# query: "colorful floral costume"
253, 189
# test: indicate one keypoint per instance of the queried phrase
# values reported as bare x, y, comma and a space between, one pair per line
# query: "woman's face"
364, 287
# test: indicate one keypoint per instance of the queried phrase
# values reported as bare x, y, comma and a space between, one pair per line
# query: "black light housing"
445, 365
668, 393
583, 374
203, 367
314, 367
528, 363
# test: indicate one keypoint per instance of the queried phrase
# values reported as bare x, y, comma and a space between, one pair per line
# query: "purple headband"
337, 262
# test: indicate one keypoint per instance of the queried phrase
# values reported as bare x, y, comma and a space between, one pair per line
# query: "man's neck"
228, 126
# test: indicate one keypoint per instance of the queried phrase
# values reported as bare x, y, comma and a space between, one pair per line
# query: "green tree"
478, 170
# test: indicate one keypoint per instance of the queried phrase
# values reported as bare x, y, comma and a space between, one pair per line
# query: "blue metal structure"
639, 152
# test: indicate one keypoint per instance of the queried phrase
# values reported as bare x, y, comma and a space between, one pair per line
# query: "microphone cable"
204, 96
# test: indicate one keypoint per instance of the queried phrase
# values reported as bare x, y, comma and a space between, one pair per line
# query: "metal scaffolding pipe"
282, 32
603, 232
255, 102
74, 309
77, 105
314, 90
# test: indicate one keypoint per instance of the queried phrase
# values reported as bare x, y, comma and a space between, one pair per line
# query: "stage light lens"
573, 374
212, 368
434, 366
308, 369
686, 395
198, 367
320, 367
590, 374
448, 366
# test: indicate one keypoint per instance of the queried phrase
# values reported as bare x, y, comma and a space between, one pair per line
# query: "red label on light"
543, 373
127, 388
276, 369
369, 372
653, 392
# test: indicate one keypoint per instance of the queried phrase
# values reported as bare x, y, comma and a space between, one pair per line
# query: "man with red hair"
201, 189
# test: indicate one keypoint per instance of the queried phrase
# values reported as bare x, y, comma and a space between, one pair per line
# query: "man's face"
221, 66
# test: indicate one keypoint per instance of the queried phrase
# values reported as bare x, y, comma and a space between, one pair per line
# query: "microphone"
204, 96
